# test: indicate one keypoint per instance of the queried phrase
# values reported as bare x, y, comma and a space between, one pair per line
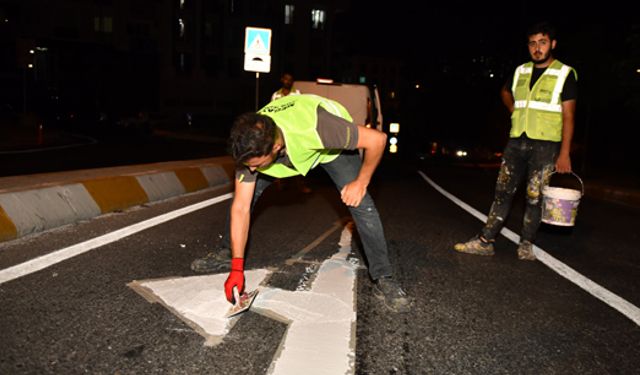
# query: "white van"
362, 101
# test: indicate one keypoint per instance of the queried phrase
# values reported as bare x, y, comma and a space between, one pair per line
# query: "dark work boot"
475, 246
216, 261
394, 298
525, 251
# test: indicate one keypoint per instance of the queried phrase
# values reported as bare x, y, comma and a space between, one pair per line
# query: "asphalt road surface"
472, 315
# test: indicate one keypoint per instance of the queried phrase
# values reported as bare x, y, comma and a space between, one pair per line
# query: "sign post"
257, 53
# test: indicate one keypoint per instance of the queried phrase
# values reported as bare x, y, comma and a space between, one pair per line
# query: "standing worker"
541, 97
287, 87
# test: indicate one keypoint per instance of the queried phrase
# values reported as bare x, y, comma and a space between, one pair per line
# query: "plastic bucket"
560, 205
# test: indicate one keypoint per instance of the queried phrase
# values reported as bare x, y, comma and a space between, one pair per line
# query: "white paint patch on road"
626, 308
198, 300
58, 256
321, 334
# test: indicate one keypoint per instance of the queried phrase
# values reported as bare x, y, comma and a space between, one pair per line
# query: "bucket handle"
576, 176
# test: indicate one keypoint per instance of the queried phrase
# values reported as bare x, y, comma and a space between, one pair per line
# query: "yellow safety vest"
538, 111
297, 117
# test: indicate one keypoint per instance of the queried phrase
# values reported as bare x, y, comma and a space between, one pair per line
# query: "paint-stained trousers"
342, 170
523, 157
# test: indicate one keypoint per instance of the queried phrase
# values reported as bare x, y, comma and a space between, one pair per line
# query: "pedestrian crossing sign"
257, 50
257, 41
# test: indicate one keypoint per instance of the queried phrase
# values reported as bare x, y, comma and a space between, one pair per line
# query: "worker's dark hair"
544, 28
252, 135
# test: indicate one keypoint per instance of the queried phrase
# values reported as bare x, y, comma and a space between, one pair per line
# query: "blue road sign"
257, 41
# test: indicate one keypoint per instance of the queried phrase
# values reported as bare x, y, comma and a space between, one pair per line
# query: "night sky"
601, 41
459, 28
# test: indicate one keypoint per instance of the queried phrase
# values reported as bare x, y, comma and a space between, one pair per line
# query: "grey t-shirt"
335, 133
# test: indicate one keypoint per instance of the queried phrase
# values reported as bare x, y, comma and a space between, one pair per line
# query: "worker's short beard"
544, 58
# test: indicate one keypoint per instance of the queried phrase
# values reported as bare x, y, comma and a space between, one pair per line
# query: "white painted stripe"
626, 308
160, 186
39, 209
337, 225
215, 175
320, 338
58, 256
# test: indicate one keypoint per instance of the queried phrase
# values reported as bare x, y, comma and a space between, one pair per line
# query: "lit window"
181, 4
234, 6
288, 14
180, 27
317, 19
107, 24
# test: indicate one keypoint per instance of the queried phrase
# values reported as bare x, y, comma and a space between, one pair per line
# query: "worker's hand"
563, 164
236, 278
353, 192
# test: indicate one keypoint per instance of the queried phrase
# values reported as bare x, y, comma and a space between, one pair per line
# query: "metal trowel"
243, 302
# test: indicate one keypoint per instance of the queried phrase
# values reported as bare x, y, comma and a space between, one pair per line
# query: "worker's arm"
373, 142
240, 220
241, 216
507, 98
563, 163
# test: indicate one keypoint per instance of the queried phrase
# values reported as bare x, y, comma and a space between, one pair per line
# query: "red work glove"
236, 278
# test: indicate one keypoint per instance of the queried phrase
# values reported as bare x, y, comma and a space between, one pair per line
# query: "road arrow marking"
198, 300
320, 338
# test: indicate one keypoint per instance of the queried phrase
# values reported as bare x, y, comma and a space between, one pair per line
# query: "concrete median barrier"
35, 203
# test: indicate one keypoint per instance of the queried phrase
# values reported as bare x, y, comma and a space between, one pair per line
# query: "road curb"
39, 208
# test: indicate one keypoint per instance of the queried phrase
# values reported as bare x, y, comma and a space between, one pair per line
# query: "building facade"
157, 55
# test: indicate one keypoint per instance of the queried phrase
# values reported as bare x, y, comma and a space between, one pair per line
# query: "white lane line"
298, 256
58, 256
626, 308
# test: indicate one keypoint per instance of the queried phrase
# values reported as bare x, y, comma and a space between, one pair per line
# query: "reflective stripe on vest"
539, 105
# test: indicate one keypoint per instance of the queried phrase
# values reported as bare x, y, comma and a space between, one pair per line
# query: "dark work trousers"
342, 170
522, 157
